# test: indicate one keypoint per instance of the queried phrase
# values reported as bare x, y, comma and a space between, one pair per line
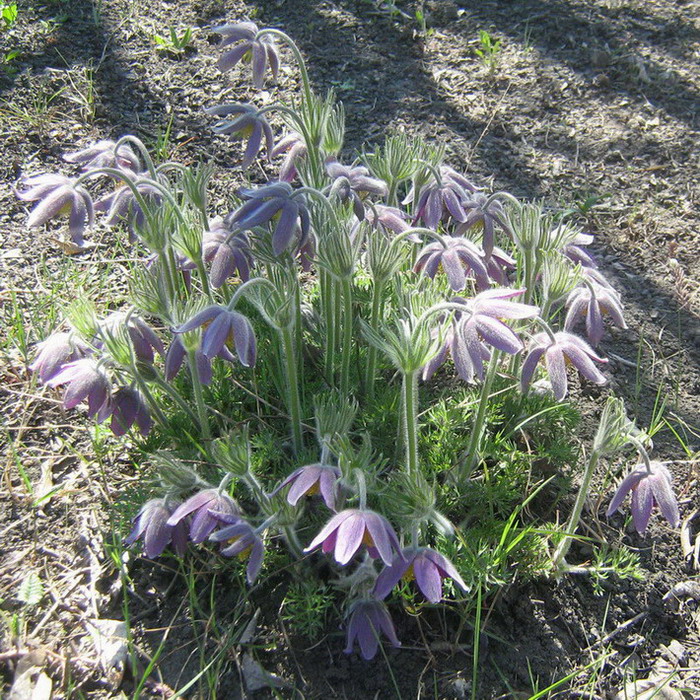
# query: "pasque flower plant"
319, 284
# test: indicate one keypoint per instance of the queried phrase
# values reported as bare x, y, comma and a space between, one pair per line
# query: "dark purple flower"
273, 202
479, 215
127, 407
294, 146
426, 566
143, 338
227, 253
368, 618
103, 155
239, 539
176, 356
458, 256
247, 124
58, 195
309, 480
224, 327
151, 524
260, 51
56, 351
348, 530
353, 182
592, 301
556, 351
440, 199
207, 508
85, 380
648, 488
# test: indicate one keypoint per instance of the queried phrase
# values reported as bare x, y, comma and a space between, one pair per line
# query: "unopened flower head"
244, 122
151, 525
246, 46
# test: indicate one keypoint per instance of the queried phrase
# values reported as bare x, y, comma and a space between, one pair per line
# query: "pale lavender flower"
57, 195
226, 252
426, 566
556, 351
348, 530
390, 218
648, 488
368, 618
576, 251
238, 538
456, 258
274, 201
224, 327
591, 301
309, 480
352, 183
261, 51
247, 124
499, 265
103, 155
127, 407
56, 351
202, 507
85, 380
151, 525
481, 216
294, 146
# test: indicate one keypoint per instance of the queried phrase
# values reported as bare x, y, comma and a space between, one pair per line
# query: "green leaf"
32, 590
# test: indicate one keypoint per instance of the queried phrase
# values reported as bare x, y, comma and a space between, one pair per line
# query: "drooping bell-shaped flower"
294, 146
352, 183
261, 52
127, 406
228, 253
368, 618
457, 257
56, 351
309, 480
151, 525
104, 154
85, 381
484, 215
592, 302
238, 539
202, 507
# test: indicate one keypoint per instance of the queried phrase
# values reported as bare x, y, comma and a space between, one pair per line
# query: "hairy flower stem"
559, 558
473, 450
293, 543
410, 419
199, 397
292, 379
175, 396
347, 337
152, 402
377, 294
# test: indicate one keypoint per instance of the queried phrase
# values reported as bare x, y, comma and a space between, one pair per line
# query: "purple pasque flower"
223, 327
294, 146
456, 257
126, 406
56, 351
273, 202
390, 218
648, 486
557, 349
227, 253
310, 480
84, 380
346, 531
261, 51
57, 195
483, 214
104, 154
593, 301
351, 182
481, 325
143, 338
575, 250
426, 566
368, 617
182, 263
239, 539
499, 265
207, 509
151, 525
176, 356
438, 199
247, 124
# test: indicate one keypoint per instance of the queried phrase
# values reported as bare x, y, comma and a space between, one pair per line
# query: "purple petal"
428, 578
350, 535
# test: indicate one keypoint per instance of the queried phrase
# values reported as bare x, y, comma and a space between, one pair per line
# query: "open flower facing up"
294, 146
261, 51
104, 154
458, 257
228, 254
347, 531
246, 124
309, 480
350, 182
85, 380
238, 538
151, 525
202, 507
127, 407
426, 566
224, 327
57, 195
56, 351
556, 350
593, 301
368, 618
482, 214
648, 487
274, 201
